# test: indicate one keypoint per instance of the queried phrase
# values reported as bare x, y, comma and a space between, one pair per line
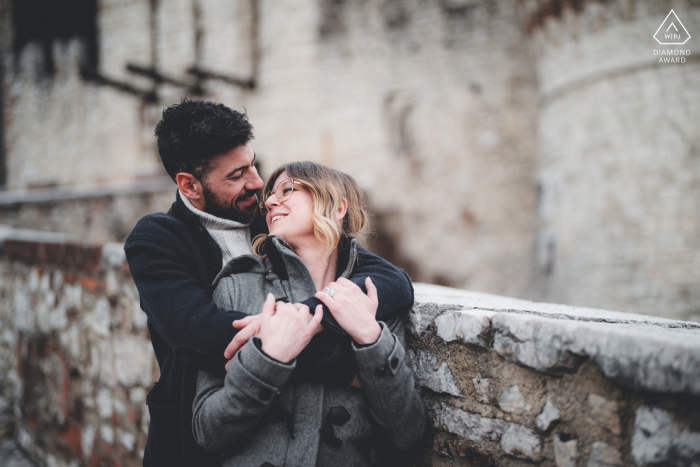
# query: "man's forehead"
241, 156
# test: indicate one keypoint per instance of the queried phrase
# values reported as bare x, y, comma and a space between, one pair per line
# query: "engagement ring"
330, 291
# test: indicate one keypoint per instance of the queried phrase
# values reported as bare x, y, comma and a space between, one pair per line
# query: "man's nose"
255, 182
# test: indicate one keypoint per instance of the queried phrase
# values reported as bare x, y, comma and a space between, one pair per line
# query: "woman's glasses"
283, 192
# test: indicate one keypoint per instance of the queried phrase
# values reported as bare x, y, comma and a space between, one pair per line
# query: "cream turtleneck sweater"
232, 237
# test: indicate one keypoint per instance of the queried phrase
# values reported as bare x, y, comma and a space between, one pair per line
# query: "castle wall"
619, 164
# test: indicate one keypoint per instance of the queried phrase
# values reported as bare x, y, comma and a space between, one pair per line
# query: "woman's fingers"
268, 308
328, 301
371, 291
318, 316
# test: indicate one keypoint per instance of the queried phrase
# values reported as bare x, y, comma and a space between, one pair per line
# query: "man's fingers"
302, 307
241, 323
239, 341
371, 290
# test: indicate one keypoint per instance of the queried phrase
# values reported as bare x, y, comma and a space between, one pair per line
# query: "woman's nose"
271, 202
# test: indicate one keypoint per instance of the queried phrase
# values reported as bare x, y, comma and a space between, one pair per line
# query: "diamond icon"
672, 31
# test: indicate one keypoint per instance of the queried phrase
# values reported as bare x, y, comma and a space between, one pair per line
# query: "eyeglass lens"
284, 190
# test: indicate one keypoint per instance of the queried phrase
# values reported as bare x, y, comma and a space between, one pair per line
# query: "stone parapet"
506, 382
513, 382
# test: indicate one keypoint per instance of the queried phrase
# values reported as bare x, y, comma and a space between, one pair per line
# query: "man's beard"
219, 207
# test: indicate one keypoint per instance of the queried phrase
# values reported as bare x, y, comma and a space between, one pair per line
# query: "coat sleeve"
387, 379
176, 302
335, 362
228, 409
394, 289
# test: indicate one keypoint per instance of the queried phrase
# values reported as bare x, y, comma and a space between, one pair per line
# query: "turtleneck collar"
211, 222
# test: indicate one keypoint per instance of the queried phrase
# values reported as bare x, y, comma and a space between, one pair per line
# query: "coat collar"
347, 256
210, 250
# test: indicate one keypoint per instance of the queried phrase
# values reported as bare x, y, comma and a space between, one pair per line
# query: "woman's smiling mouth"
277, 217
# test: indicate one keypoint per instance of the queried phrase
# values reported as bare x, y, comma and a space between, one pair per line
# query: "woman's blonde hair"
327, 187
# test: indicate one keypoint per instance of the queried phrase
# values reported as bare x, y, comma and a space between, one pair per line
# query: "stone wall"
530, 148
619, 160
507, 382
76, 360
430, 105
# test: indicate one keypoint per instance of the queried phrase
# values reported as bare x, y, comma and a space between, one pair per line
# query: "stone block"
548, 415
511, 400
104, 403
127, 440
422, 315
113, 255
604, 455
660, 440
481, 387
107, 434
88, 440
604, 413
133, 360
100, 319
565, 452
466, 424
522, 442
635, 355
111, 284
469, 326
429, 374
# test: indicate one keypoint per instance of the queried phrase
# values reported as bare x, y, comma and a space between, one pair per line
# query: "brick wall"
507, 382
76, 359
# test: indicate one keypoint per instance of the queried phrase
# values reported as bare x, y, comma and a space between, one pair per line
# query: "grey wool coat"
259, 415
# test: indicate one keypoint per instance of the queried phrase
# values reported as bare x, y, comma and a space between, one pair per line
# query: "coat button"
265, 394
394, 362
382, 370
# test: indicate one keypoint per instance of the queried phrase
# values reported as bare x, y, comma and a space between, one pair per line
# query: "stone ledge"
640, 352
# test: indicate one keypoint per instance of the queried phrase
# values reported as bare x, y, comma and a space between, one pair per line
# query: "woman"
257, 414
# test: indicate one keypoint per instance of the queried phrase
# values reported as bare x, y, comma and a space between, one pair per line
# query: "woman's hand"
250, 326
285, 328
353, 310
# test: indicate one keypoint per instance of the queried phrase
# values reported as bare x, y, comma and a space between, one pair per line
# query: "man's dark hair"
192, 132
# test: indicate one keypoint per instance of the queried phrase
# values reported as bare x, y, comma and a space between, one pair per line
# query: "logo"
671, 31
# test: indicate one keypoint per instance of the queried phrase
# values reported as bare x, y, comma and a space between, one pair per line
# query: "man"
174, 258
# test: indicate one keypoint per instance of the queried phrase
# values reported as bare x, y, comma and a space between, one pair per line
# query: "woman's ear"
342, 210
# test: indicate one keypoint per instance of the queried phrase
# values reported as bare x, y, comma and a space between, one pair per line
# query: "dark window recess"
45, 21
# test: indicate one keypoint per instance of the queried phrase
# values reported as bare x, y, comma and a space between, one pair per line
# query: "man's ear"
189, 186
342, 210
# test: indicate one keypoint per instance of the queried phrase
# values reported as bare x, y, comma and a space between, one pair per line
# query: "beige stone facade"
513, 147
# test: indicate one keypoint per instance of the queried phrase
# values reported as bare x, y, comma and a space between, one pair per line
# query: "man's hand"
354, 311
249, 327
285, 328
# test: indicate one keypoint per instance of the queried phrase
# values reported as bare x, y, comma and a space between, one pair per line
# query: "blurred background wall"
535, 149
